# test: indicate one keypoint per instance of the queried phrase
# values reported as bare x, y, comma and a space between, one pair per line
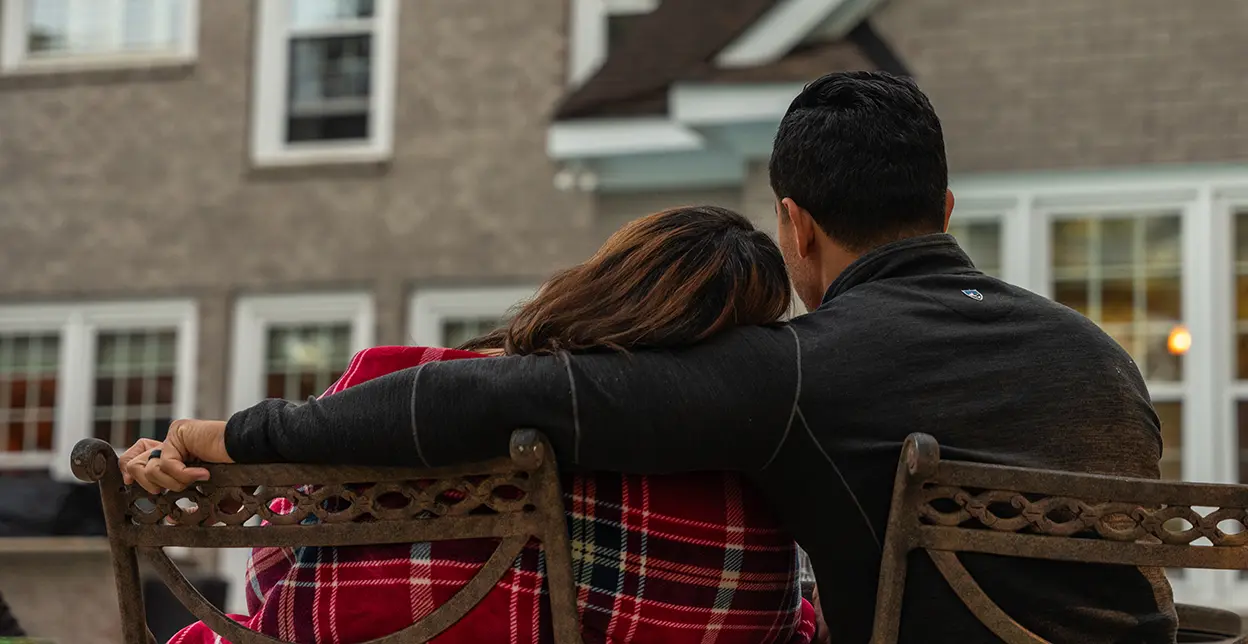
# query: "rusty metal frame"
513, 499
945, 507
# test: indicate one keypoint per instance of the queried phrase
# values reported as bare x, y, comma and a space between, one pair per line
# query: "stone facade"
1065, 84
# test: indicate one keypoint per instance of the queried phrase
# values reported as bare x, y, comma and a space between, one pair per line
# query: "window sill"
86, 64
53, 545
323, 156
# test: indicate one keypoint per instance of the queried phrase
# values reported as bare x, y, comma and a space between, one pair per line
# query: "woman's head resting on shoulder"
669, 279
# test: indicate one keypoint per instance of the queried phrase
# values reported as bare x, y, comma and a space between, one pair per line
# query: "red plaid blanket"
692, 558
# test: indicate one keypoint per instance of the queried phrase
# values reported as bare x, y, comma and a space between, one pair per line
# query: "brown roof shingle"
679, 41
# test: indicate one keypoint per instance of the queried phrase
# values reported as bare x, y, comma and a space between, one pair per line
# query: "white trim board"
592, 138
270, 94
429, 307
702, 104
692, 106
787, 24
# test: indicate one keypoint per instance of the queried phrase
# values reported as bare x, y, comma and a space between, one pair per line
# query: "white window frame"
78, 326
1204, 197
270, 91
15, 59
1226, 201
431, 307
254, 314
1003, 213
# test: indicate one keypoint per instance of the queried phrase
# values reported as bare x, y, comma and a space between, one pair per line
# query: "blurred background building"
204, 203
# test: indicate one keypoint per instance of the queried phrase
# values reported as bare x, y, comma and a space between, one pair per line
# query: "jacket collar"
925, 255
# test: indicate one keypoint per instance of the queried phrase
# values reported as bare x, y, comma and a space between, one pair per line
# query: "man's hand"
188, 440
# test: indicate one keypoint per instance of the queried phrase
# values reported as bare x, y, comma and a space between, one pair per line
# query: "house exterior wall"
1063, 84
138, 184
614, 210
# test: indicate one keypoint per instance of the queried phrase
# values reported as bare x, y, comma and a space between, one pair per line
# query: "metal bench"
400, 505
946, 507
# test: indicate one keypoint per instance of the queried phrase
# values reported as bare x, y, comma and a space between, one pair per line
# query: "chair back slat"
1089, 486
981, 605
355, 534
946, 507
513, 499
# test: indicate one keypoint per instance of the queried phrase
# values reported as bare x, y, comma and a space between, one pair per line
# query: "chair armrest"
1203, 620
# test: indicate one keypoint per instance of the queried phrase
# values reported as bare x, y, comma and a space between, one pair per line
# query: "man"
904, 335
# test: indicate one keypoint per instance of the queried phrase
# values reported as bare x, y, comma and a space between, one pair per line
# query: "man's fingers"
140, 448
160, 474
185, 476
144, 475
134, 471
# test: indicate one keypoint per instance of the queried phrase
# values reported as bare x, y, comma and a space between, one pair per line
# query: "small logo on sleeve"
973, 294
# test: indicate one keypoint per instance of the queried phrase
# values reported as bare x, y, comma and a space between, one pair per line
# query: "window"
324, 83
111, 371
305, 359
39, 33
29, 370
135, 377
1240, 366
295, 346
291, 347
450, 317
1124, 271
981, 239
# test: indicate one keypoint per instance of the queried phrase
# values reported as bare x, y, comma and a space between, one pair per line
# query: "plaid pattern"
691, 558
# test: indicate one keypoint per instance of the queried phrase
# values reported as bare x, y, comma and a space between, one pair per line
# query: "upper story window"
324, 83
56, 33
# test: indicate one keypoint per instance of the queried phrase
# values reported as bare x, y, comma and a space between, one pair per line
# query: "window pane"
1070, 244
1124, 273
77, 27
1241, 291
304, 360
327, 128
29, 366
458, 331
330, 84
982, 241
1171, 415
135, 374
318, 13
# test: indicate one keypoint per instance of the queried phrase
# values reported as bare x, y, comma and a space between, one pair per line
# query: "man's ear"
803, 226
948, 209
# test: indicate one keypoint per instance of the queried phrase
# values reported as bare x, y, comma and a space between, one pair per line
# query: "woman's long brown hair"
668, 279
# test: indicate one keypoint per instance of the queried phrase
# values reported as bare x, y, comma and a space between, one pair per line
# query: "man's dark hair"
864, 153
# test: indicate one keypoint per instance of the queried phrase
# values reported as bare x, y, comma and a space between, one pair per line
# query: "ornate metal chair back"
946, 507
513, 499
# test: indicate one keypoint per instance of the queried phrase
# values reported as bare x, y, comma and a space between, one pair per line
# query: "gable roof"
679, 41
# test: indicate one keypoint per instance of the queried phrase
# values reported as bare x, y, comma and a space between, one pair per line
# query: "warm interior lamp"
1180, 340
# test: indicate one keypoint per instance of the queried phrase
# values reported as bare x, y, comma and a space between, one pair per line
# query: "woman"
715, 561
